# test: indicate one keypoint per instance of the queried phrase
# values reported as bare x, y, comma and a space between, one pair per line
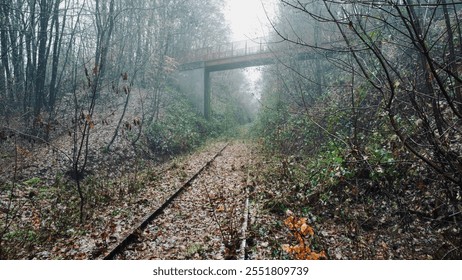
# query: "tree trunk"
42, 58
31, 63
5, 46
55, 58
452, 63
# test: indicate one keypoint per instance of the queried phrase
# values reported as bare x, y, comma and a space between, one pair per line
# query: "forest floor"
46, 224
205, 222
354, 220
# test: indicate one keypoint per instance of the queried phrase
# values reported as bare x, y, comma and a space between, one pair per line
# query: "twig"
26, 135
449, 252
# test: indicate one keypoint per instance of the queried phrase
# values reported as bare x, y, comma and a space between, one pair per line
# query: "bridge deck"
240, 54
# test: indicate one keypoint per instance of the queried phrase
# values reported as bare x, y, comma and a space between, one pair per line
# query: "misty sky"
247, 17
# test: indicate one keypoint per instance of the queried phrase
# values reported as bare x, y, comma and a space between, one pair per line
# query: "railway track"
214, 202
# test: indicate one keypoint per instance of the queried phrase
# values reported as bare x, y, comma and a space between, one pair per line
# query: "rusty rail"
132, 236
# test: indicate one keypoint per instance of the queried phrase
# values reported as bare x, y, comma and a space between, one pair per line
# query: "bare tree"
407, 52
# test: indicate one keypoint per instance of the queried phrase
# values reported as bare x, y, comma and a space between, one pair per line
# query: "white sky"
247, 18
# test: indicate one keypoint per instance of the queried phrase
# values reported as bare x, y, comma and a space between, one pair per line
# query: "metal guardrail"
232, 49
253, 47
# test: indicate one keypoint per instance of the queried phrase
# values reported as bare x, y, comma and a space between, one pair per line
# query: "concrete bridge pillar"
196, 83
207, 95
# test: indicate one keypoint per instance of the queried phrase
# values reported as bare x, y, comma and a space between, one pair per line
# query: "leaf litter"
38, 231
204, 222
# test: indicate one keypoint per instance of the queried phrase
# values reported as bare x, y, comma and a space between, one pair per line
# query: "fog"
365, 95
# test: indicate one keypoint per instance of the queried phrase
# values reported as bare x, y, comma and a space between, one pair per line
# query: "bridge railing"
251, 47
233, 49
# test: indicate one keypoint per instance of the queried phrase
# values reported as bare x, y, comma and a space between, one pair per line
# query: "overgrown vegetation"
374, 146
360, 124
180, 130
91, 106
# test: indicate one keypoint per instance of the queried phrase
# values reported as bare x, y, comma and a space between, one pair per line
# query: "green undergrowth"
182, 129
333, 181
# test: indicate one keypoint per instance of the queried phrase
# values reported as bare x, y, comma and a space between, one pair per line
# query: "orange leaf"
306, 229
